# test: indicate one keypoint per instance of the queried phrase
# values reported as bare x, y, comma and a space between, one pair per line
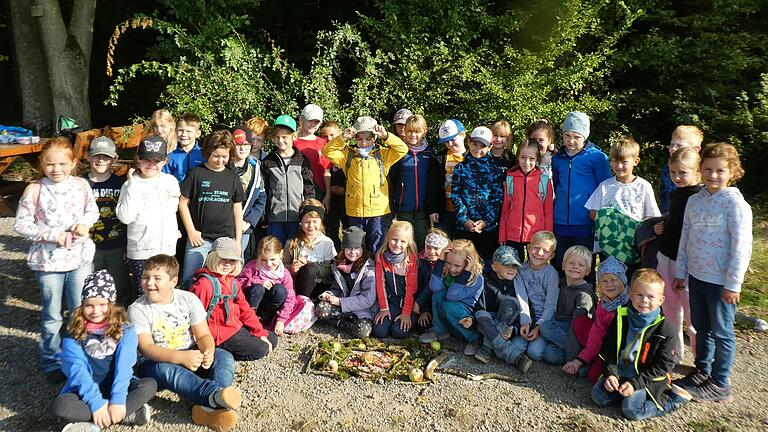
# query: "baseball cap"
365, 124
402, 116
102, 146
506, 255
152, 147
481, 134
448, 130
226, 248
241, 135
285, 121
312, 112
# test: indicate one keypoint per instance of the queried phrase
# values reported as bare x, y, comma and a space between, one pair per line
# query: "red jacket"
603, 320
240, 312
524, 212
411, 283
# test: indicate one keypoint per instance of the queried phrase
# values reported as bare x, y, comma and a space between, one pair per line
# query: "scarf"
612, 305
96, 328
637, 323
411, 281
96, 345
275, 275
345, 267
392, 258
420, 147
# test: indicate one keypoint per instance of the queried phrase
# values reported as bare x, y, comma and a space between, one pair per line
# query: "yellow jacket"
367, 186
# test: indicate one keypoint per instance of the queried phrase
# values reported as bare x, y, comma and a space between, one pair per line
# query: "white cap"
312, 112
448, 130
365, 124
481, 134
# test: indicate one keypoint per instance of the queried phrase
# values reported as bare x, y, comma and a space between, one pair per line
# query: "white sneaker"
81, 427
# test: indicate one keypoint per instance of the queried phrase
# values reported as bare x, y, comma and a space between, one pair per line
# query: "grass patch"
754, 292
712, 425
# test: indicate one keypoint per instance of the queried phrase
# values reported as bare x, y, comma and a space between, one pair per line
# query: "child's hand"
445, 252
405, 322
533, 334
611, 383
191, 359
332, 299
731, 297
268, 284
79, 230
626, 389
195, 238
349, 133
62, 241
279, 328
425, 318
296, 265
207, 359
434, 218
572, 367
479, 225
508, 332
524, 330
129, 174
659, 228
678, 285
469, 225
269, 344
466, 322
470, 261
101, 417
327, 202
381, 316
381, 132
116, 413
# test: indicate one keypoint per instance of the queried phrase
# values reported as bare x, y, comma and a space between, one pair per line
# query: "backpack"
510, 181
376, 155
217, 297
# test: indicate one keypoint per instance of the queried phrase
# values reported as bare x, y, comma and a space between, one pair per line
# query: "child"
55, 213
336, 217
249, 170
576, 298
502, 305
108, 233
268, 285
233, 324
399, 120
456, 284
612, 275
452, 135
259, 132
349, 303
309, 256
311, 146
577, 168
396, 282
620, 203
715, 248
502, 148
477, 194
366, 165
188, 153
543, 132
287, 176
211, 203
434, 244
684, 171
162, 124
147, 205
98, 360
417, 195
177, 348
682, 137
541, 286
638, 356
528, 197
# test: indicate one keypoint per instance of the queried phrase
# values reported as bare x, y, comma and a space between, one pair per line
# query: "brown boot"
220, 420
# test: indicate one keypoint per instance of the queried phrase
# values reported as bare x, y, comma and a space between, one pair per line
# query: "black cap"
152, 147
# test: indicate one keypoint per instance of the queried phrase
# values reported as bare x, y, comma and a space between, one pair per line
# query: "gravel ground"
279, 397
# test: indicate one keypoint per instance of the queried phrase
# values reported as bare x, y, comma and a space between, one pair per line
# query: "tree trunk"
31, 68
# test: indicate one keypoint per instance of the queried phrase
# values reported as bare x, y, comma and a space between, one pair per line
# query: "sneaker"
139, 417
708, 391
432, 336
484, 354
220, 420
471, 348
55, 376
693, 379
81, 427
679, 395
228, 397
523, 363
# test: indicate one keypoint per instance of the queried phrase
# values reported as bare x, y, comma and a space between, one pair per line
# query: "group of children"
492, 243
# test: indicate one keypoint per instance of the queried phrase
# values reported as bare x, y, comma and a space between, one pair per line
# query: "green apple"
436, 346
333, 366
335, 346
416, 375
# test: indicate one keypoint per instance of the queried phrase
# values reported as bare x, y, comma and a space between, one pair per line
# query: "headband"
311, 208
436, 241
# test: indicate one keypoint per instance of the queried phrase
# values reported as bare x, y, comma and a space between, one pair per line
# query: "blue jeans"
535, 347
553, 332
446, 315
284, 231
198, 386
636, 406
372, 228
194, 258
715, 339
54, 288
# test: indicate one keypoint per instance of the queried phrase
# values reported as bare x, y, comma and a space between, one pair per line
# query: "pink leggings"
676, 306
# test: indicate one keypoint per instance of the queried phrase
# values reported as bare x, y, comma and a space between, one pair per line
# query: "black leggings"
305, 281
348, 322
69, 407
245, 346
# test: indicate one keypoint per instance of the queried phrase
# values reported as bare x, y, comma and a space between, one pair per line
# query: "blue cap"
448, 130
577, 122
506, 255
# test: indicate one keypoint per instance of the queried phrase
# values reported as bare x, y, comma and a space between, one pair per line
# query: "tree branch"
81, 25
52, 29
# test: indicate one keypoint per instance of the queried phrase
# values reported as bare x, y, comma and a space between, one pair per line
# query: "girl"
434, 244
55, 213
310, 254
684, 172
396, 282
714, 253
98, 360
162, 124
456, 284
502, 148
543, 132
233, 324
527, 206
349, 302
612, 275
268, 285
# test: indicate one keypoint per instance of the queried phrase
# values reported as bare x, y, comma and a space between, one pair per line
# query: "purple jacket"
361, 296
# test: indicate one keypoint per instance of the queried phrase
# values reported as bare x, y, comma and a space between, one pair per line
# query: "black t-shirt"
212, 195
108, 232
673, 226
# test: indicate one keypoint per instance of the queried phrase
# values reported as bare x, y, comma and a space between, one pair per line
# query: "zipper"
285, 175
522, 208
416, 178
568, 207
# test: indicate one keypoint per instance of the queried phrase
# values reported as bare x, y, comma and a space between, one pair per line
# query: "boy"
178, 349
249, 170
577, 168
416, 180
287, 178
337, 212
259, 131
620, 203
148, 203
311, 146
638, 355
682, 136
452, 135
477, 194
366, 165
187, 154
575, 298
211, 203
503, 304
108, 233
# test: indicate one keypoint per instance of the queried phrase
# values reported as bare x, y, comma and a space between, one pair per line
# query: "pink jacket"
253, 274
603, 320
524, 212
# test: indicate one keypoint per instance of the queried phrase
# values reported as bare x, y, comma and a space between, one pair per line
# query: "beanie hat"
577, 122
448, 130
506, 255
613, 266
352, 237
99, 284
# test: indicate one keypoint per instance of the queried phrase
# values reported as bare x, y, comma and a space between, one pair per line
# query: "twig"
473, 377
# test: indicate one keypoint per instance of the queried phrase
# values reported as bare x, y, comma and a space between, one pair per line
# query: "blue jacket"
180, 162
79, 369
417, 186
477, 191
459, 291
256, 196
666, 185
575, 178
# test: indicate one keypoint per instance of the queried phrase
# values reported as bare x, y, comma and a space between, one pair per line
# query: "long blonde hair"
406, 229
467, 249
163, 115
116, 317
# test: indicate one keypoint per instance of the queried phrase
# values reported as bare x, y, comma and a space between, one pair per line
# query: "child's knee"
279, 294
